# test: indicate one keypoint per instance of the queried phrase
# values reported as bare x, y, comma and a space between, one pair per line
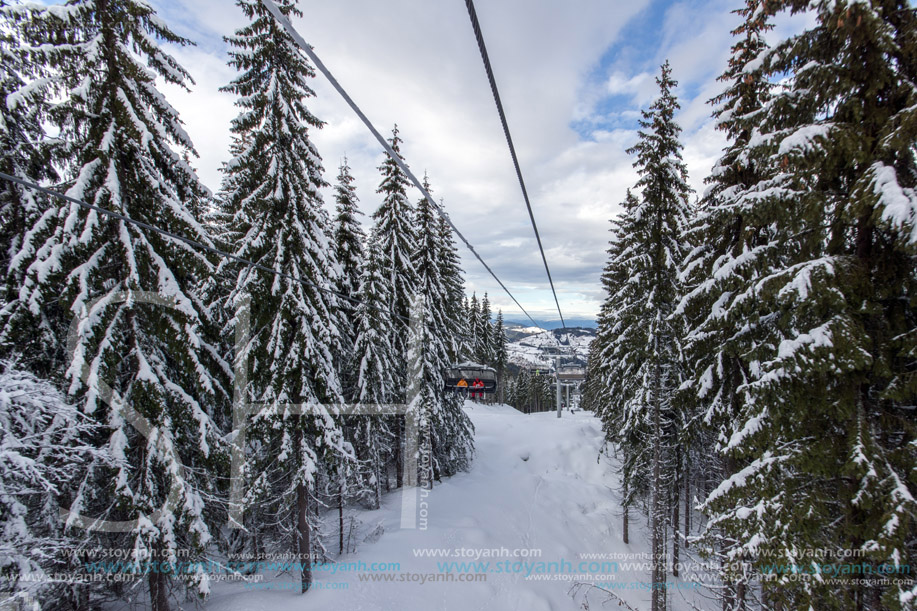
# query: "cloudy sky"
573, 77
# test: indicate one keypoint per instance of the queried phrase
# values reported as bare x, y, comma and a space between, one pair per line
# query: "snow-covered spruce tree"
516, 390
501, 356
529, 392
824, 431
621, 339
546, 399
446, 430
473, 326
465, 337
509, 391
42, 437
374, 364
642, 353
394, 229
353, 481
519, 390
485, 350
272, 185
660, 221
592, 391
734, 233
124, 147
606, 390
24, 153
349, 238
394, 224
454, 285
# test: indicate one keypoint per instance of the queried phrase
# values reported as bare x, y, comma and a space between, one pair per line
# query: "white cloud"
640, 87
205, 111
417, 64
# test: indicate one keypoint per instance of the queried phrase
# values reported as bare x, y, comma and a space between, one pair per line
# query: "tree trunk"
687, 504
625, 526
766, 598
377, 474
658, 512
159, 583
341, 518
676, 504
257, 543
77, 598
399, 454
377, 488
303, 536
864, 236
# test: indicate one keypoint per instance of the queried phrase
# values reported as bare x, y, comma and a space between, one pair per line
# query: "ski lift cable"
307, 49
354, 301
216, 251
475, 24
188, 241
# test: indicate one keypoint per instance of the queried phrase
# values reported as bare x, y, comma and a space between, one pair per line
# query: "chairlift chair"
471, 378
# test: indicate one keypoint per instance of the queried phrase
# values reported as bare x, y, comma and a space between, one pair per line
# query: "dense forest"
190, 374
755, 362
134, 362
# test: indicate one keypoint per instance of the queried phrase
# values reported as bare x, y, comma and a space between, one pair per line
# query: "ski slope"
537, 485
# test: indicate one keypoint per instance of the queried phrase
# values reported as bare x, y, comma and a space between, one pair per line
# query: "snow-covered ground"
537, 484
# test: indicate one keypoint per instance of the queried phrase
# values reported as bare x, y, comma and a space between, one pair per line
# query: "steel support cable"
188, 241
509, 141
307, 49
194, 243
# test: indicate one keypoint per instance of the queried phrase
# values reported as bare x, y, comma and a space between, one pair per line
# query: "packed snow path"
537, 484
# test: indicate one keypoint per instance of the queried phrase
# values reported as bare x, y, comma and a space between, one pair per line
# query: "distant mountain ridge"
588, 323
527, 344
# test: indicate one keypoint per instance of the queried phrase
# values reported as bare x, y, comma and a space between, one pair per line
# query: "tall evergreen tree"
374, 364
509, 392
734, 236
44, 450
660, 221
485, 349
348, 246
124, 144
501, 356
473, 315
545, 397
642, 357
24, 153
352, 480
272, 185
373, 352
454, 285
440, 416
349, 236
621, 341
397, 240
826, 272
